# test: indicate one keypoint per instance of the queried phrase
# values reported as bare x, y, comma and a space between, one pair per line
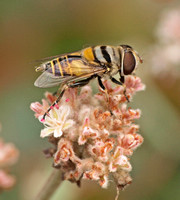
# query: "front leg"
116, 81
121, 78
100, 83
106, 92
120, 83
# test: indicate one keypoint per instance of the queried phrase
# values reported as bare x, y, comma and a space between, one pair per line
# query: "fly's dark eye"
129, 63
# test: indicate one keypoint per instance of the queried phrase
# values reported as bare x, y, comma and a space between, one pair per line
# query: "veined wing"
42, 60
47, 79
74, 71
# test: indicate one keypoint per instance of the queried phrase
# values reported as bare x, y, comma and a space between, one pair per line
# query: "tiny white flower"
57, 122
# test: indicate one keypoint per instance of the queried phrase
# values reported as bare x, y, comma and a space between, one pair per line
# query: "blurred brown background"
31, 30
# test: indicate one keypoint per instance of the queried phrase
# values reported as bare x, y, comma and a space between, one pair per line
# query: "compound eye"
129, 63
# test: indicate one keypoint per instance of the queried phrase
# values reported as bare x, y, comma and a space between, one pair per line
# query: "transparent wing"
46, 80
42, 60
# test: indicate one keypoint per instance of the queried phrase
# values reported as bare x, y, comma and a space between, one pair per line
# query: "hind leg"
63, 89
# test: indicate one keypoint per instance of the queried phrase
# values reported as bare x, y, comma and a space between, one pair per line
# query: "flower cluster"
165, 54
94, 135
8, 156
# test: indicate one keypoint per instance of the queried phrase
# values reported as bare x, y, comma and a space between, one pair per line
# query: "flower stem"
50, 186
117, 194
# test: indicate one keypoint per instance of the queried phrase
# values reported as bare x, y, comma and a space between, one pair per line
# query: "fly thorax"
114, 70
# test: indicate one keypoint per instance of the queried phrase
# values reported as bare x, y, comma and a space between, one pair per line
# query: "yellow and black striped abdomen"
54, 67
69, 65
60, 67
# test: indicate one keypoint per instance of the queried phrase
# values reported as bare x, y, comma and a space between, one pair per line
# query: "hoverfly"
77, 69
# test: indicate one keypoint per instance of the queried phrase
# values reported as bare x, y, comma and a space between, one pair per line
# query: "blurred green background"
31, 30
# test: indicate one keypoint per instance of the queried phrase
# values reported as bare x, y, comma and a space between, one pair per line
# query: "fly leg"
101, 84
120, 83
63, 89
105, 90
55, 103
103, 87
81, 83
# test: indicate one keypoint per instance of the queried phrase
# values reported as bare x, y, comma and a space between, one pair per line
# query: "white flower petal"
46, 132
64, 113
53, 113
68, 124
49, 121
58, 132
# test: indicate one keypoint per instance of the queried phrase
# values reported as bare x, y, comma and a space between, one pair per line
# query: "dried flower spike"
94, 135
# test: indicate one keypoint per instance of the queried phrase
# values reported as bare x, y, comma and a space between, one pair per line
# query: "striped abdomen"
69, 65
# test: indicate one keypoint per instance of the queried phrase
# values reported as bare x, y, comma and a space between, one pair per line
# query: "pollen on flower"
95, 135
67, 100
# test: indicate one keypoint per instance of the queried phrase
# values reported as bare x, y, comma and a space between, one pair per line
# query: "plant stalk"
50, 186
